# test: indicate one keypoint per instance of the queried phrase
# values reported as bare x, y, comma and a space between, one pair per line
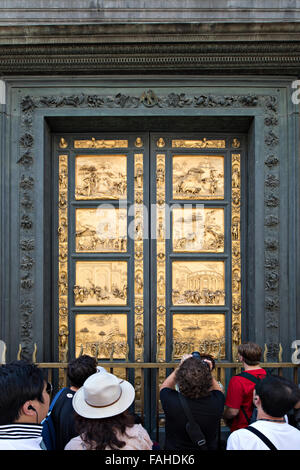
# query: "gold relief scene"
103, 336
101, 177
198, 229
199, 332
198, 283
198, 177
101, 230
101, 283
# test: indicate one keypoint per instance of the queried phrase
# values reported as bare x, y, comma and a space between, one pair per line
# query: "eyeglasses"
49, 388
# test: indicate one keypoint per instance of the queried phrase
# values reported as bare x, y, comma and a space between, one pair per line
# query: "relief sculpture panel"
198, 177
198, 230
101, 230
199, 332
103, 336
198, 283
101, 283
101, 177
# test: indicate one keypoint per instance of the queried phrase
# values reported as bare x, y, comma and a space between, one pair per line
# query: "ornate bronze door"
197, 198
149, 245
102, 268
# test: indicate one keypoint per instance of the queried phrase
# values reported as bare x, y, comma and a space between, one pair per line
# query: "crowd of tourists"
93, 412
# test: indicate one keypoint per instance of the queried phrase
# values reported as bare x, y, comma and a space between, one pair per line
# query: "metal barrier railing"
159, 368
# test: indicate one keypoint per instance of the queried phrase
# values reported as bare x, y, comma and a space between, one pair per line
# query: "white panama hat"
101, 370
103, 396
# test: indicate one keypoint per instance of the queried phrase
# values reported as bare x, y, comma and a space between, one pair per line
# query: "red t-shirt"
240, 393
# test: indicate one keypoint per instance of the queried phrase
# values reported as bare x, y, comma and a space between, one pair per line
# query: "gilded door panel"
101, 283
198, 283
101, 230
199, 332
101, 177
198, 177
102, 335
198, 230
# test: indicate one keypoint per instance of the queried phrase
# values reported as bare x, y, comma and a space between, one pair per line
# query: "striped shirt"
21, 436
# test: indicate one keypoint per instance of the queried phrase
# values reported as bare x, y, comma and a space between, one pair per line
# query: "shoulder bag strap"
201, 441
262, 437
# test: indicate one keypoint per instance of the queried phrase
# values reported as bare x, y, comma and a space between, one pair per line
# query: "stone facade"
99, 60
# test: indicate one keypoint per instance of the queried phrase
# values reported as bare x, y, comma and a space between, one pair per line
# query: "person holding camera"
193, 404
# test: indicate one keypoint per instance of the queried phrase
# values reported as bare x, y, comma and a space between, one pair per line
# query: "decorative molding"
147, 99
157, 52
272, 226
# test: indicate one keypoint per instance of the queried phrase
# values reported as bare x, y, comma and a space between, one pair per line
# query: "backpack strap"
261, 436
253, 379
250, 377
55, 399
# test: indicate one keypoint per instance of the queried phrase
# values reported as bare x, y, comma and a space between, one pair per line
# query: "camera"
196, 354
204, 358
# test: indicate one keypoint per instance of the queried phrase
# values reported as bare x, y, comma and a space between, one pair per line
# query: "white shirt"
282, 435
21, 437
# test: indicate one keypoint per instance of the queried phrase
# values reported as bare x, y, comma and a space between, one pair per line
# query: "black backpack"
255, 380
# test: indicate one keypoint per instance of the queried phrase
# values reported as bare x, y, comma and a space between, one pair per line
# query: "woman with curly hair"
102, 419
204, 396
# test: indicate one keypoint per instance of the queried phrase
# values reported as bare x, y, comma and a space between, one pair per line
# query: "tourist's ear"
27, 409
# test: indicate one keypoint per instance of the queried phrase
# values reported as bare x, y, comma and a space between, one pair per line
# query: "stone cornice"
189, 48
148, 33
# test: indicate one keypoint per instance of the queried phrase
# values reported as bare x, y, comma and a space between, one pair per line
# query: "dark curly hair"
97, 434
194, 378
80, 369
